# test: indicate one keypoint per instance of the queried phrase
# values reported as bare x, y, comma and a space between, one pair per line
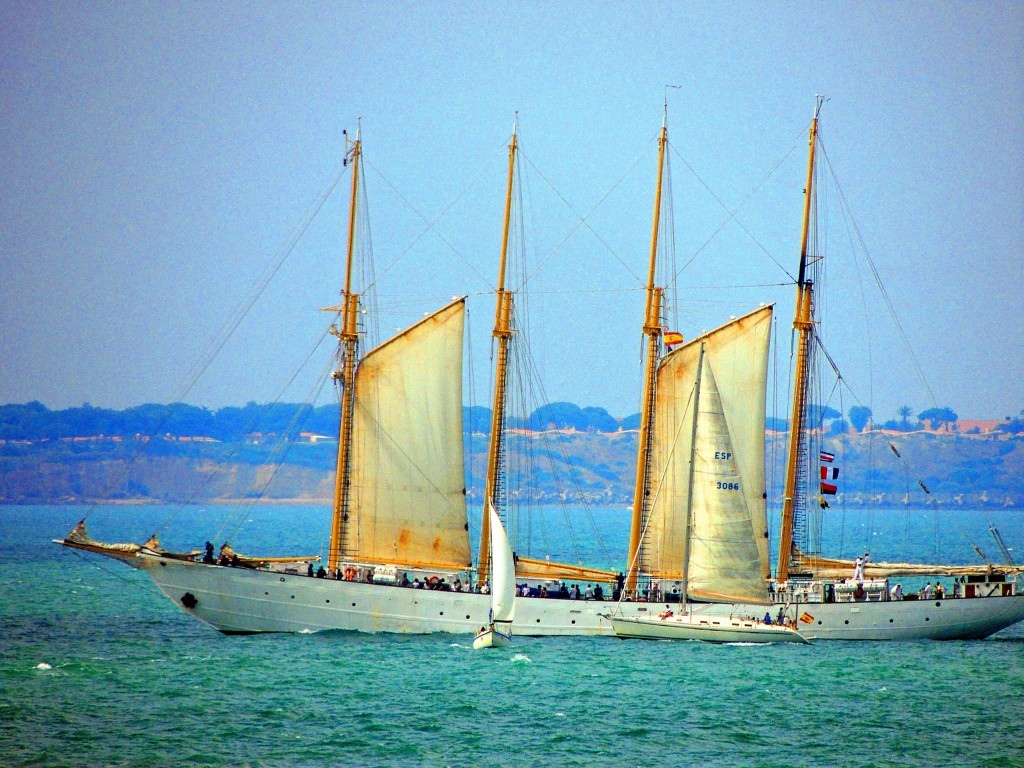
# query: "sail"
407, 503
733, 389
503, 574
532, 568
723, 558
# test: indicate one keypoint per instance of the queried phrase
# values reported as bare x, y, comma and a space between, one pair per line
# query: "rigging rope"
732, 214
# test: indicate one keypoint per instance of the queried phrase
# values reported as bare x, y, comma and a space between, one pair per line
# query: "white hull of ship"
242, 600
948, 619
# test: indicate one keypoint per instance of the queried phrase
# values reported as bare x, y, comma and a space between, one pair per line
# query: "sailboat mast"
502, 335
652, 330
803, 324
348, 335
693, 469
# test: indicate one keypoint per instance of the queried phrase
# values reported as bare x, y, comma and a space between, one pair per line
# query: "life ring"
350, 573
434, 580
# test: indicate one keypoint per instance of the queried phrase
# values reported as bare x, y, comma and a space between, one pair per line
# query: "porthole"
846, 622
163, 565
926, 618
819, 621
266, 594
327, 601
442, 613
467, 615
890, 621
574, 621
282, 578
538, 621
353, 605
938, 604
293, 597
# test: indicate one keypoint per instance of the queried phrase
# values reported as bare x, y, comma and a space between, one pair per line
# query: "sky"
159, 159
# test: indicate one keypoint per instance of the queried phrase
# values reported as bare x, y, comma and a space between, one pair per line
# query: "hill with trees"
181, 453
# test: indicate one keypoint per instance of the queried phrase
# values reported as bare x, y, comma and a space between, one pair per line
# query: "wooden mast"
502, 335
348, 335
652, 330
803, 325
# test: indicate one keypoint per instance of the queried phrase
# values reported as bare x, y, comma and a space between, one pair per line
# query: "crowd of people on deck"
563, 592
437, 583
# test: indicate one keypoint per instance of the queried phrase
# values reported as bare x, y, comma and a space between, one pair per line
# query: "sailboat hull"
242, 600
708, 629
492, 638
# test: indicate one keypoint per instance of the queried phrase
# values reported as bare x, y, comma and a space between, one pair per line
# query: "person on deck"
768, 618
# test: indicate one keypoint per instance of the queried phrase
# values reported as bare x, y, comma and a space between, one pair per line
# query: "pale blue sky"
157, 155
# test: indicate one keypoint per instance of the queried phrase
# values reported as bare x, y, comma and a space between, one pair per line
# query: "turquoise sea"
133, 681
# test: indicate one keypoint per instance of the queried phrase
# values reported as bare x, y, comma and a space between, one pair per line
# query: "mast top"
819, 102
664, 119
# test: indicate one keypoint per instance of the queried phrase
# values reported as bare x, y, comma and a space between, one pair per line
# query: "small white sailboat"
709, 629
699, 519
498, 632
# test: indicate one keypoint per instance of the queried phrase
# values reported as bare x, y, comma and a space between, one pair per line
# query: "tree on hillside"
819, 414
476, 419
557, 416
839, 427
939, 417
599, 420
904, 412
1014, 425
22, 422
859, 416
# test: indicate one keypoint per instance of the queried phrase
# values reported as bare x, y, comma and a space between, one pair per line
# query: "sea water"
98, 669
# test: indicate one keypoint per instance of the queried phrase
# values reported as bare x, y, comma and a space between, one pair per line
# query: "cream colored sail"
738, 355
503, 574
724, 564
408, 503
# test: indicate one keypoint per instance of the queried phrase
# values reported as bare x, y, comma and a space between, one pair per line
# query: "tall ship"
400, 558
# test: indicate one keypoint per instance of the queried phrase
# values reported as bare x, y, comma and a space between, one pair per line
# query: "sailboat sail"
503, 576
723, 563
727, 557
408, 504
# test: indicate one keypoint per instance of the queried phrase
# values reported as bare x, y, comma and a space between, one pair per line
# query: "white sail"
503, 574
723, 563
738, 355
407, 503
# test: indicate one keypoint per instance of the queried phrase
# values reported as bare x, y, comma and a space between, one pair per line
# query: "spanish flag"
672, 338
806, 618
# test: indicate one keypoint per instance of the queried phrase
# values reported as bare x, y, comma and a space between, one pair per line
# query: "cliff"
548, 466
